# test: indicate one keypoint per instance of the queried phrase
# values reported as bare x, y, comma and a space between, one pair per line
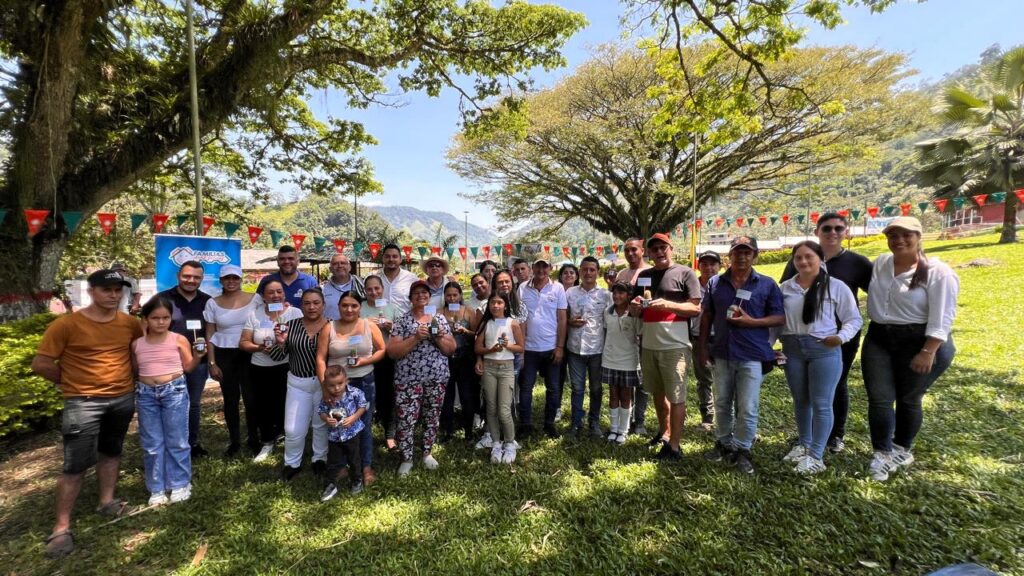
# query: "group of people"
329, 360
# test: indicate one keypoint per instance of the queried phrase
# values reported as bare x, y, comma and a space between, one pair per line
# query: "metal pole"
693, 212
193, 88
465, 261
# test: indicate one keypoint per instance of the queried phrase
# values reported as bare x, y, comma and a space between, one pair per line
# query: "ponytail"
815, 298
920, 277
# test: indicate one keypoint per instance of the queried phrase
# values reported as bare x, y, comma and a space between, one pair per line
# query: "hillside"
422, 224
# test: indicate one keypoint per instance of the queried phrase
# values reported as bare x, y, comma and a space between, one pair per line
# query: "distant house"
971, 217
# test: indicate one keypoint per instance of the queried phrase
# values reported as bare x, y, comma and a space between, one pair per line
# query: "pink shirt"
160, 358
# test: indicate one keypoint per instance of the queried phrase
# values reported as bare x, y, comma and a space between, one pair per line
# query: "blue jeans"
737, 385
543, 362
368, 385
580, 367
812, 371
885, 363
196, 381
163, 434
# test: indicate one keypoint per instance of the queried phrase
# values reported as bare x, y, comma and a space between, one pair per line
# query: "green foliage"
25, 398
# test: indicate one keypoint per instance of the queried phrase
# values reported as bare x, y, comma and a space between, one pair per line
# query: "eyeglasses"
836, 229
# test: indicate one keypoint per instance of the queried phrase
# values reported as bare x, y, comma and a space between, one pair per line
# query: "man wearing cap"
665, 350
740, 306
436, 268
189, 303
633, 250
708, 263
545, 339
87, 354
342, 280
288, 274
396, 280
131, 296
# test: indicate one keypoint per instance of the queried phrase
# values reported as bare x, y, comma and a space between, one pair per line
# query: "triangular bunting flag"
800, 218
814, 217
71, 220
107, 221
254, 234
575, 251
462, 252
599, 251
180, 220
740, 221
940, 204
473, 250
339, 245
719, 222
959, 201
844, 213
905, 208
3, 215
763, 220
773, 218
36, 219
979, 199
1019, 193
615, 248
487, 251
698, 223
785, 219
565, 251
873, 211
159, 220
508, 249
518, 247
422, 251
137, 220
276, 238
374, 249
450, 251
436, 250
997, 198
208, 222
855, 214
230, 228
407, 250
297, 240
319, 242
890, 210
923, 206
357, 250
750, 220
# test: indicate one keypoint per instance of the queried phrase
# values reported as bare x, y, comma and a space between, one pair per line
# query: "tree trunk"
1009, 234
28, 267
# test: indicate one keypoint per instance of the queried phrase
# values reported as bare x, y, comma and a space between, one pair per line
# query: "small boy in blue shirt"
342, 409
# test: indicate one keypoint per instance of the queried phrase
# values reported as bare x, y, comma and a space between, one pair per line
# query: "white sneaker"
612, 435
404, 468
265, 452
901, 457
881, 465
181, 494
795, 454
809, 465
478, 422
485, 442
429, 462
496, 454
509, 455
620, 439
158, 499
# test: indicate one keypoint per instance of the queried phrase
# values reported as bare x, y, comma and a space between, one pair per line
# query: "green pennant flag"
575, 250
230, 228
71, 220
774, 218
450, 251
276, 238
137, 220
750, 221
473, 249
923, 206
180, 220
890, 210
959, 202
357, 248
518, 247
319, 242
3, 215
855, 214
423, 251
800, 218
993, 198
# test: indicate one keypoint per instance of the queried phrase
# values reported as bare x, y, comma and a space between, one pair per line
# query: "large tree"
985, 151
599, 145
96, 94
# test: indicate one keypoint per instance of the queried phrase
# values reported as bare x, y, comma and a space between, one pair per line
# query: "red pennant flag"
254, 234
487, 251
208, 223
739, 222
905, 208
36, 219
508, 249
785, 218
763, 220
583, 250
599, 250
980, 199
698, 223
339, 245
547, 249
565, 250
435, 250
158, 222
297, 240
873, 211
844, 213
1019, 193
815, 216
374, 249
941, 204
615, 248
407, 250
107, 221
462, 252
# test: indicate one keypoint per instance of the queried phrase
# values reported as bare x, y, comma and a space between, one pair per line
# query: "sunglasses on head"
829, 229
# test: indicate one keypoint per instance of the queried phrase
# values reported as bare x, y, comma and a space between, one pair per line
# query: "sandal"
115, 509
60, 544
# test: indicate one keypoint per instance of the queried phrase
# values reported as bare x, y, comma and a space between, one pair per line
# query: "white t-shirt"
542, 308
263, 327
229, 321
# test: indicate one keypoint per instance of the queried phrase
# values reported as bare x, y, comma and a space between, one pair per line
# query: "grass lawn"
589, 508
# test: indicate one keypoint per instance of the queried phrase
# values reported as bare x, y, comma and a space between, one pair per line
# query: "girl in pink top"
161, 359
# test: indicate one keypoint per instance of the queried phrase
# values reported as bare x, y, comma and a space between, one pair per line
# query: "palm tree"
985, 152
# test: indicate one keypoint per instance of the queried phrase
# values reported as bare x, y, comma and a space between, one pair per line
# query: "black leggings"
234, 365
462, 376
267, 387
384, 380
841, 401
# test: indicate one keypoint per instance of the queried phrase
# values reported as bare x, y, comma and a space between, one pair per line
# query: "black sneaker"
836, 445
718, 453
199, 452
573, 432
289, 472
319, 468
657, 439
356, 488
232, 450
667, 454
551, 431
744, 461
525, 431
330, 491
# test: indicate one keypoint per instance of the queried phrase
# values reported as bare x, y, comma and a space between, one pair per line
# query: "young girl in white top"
498, 339
821, 315
620, 361
161, 360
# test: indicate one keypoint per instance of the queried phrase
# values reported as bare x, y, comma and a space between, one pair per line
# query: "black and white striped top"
301, 350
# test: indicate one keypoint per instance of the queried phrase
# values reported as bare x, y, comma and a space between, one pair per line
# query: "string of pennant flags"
37, 218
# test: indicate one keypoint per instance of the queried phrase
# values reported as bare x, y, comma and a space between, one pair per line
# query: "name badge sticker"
454, 307
355, 340
380, 302
267, 324
743, 294
501, 322
430, 309
275, 307
643, 282
193, 325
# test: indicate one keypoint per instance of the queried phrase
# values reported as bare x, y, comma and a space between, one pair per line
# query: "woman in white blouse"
821, 315
911, 303
225, 317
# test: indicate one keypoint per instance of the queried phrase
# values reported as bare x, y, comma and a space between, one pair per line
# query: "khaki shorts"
664, 372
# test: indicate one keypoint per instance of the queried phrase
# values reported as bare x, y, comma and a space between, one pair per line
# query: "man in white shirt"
341, 281
131, 296
634, 252
545, 335
396, 281
585, 343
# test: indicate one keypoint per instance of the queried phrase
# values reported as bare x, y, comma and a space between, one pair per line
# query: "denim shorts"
92, 425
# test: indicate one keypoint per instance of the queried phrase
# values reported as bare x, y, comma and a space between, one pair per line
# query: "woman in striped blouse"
299, 337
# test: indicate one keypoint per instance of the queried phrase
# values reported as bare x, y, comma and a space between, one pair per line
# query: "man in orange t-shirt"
87, 354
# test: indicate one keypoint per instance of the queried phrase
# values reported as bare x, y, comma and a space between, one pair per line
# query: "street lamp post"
194, 90
465, 261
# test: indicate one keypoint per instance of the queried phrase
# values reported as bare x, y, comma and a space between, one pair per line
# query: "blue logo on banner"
173, 251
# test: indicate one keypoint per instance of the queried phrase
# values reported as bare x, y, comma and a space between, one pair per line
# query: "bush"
25, 399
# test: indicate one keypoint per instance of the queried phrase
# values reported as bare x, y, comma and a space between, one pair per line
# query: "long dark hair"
512, 300
819, 289
157, 302
920, 277
487, 311
568, 266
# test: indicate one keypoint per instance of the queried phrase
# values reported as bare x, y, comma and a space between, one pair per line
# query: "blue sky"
938, 35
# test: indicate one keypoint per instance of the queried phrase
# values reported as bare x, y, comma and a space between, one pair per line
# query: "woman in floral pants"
420, 343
